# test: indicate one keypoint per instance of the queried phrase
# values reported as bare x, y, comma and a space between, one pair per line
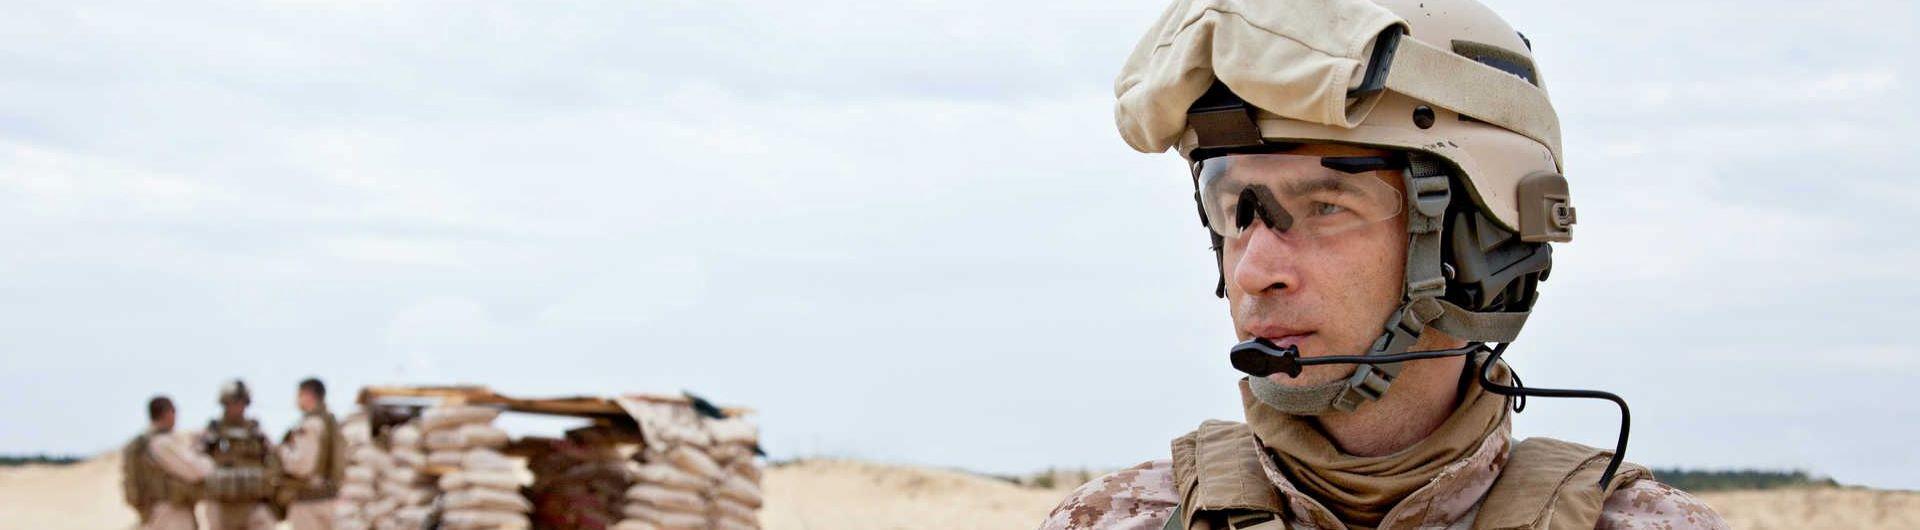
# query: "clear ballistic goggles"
1297, 196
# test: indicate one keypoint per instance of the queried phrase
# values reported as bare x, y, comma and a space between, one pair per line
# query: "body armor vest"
329, 468
1545, 484
243, 463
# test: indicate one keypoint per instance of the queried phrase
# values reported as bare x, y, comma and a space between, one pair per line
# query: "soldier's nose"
1265, 265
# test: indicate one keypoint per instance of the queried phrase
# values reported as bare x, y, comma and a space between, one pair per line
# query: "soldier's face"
1327, 295
235, 409
165, 422
305, 400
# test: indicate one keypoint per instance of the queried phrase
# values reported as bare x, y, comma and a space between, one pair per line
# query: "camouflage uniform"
1235, 87
303, 458
1143, 498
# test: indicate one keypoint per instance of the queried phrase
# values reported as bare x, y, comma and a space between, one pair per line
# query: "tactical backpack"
134, 472
335, 454
331, 469
143, 483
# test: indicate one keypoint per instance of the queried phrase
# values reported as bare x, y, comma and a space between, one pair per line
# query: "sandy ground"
861, 496
1818, 508
842, 495
85, 495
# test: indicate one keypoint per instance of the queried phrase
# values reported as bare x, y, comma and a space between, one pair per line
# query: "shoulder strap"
133, 460
1217, 468
137, 446
333, 450
1549, 483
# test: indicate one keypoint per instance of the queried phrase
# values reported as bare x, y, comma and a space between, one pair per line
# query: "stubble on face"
1329, 295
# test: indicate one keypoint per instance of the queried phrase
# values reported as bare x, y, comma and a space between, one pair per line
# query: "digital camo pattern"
1650, 504
1137, 498
1143, 497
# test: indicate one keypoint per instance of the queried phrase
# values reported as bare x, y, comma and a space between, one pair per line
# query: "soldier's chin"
1315, 375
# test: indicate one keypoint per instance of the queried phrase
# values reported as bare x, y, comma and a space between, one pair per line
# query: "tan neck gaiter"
1362, 489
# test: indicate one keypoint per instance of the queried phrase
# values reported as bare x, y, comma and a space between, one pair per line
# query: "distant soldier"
161, 473
239, 489
313, 455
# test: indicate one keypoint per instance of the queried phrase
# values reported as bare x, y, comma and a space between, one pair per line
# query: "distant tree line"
1739, 479
21, 460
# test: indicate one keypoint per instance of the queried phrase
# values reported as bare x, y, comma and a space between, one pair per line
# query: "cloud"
630, 294
53, 181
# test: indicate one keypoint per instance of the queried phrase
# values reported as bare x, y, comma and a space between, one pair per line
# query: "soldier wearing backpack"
314, 460
161, 473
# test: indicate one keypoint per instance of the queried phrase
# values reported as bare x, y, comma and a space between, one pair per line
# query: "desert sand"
847, 495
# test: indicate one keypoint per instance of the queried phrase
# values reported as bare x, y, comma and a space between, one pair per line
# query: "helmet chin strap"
1311, 400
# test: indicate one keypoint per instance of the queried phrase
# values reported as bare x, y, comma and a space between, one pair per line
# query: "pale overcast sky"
905, 232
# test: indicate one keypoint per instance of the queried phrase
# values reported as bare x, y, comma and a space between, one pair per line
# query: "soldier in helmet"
240, 487
313, 457
1380, 180
161, 472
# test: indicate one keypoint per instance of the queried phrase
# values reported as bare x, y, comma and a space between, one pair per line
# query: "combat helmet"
235, 390
1446, 84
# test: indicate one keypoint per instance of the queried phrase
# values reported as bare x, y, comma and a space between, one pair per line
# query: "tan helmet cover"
1295, 61
235, 391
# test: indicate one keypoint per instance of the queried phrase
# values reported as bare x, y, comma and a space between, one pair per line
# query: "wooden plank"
577, 406
473, 394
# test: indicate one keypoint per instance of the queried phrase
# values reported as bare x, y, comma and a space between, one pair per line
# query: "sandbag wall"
363, 471
480, 485
404, 490
693, 473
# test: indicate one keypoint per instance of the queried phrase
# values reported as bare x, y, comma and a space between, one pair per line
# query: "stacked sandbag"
480, 485
675, 475
357, 488
694, 472
405, 488
736, 495
670, 491
579, 483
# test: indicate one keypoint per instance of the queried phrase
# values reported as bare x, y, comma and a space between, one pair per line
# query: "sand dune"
85, 495
862, 496
845, 495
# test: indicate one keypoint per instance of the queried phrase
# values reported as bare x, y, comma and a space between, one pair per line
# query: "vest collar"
1449, 497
